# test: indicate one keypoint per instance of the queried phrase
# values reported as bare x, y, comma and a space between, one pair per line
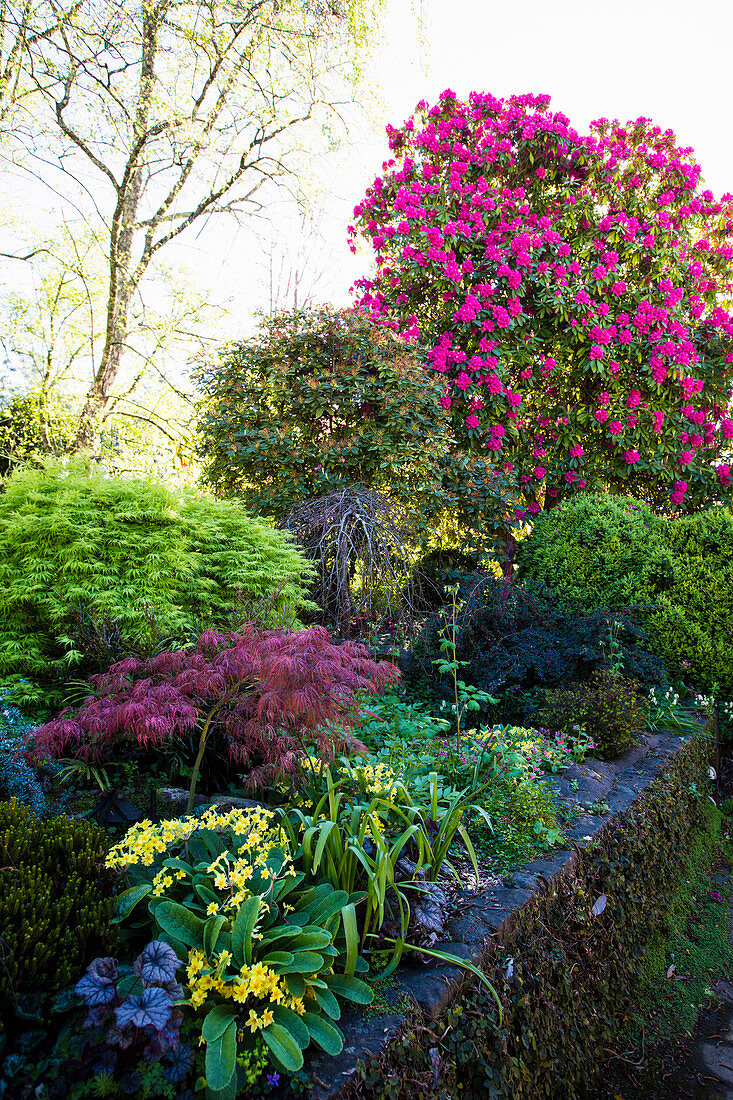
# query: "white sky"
667, 60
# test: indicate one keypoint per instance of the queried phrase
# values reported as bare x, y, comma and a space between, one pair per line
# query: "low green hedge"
567, 977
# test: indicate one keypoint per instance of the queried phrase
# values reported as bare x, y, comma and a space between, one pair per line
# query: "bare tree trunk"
122, 281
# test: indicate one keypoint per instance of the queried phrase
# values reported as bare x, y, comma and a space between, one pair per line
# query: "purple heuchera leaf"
174, 988
116, 1037
157, 963
131, 1084
166, 1040
180, 1064
97, 986
97, 1015
151, 1009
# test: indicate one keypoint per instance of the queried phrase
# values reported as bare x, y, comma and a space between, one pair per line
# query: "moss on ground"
681, 963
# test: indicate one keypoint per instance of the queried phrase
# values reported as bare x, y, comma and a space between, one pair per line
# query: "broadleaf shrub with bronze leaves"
609, 707
264, 694
319, 400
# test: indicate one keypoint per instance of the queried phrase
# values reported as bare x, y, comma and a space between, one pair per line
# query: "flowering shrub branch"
566, 286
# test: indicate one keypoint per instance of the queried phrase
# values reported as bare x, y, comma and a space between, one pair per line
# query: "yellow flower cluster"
165, 879
204, 977
379, 779
144, 840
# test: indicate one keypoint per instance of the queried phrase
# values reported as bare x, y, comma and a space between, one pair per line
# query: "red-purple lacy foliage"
567, 288
273, 688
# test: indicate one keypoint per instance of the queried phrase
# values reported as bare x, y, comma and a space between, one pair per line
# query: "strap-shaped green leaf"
351, 989
277, 958
180, 922
216, 1022
303, 962
328, 907
205, 893
178, 865
351, 934
312, 939
242, 929
327, 1002
469, 848
295, 984
212, 928
128, 899
284, 886
288, 932
293, 1024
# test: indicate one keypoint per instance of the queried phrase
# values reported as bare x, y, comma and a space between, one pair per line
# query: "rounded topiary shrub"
692, 625
606, 551
93, 569
614, 551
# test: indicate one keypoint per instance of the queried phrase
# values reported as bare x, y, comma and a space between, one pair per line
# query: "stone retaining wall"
490, 913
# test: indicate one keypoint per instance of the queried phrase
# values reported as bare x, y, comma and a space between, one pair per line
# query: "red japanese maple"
263, 691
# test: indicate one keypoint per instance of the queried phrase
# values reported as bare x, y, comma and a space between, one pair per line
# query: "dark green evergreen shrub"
518, 638
608, 706
613, 551
317, 401
606, 551
93, 569
56, 899
692, 624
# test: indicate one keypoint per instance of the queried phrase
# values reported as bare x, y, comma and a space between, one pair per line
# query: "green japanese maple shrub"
94, 569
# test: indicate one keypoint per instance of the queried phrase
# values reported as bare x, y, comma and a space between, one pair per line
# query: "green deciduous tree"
150, 118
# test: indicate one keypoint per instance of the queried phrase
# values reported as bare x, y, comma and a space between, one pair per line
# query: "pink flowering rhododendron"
570, 280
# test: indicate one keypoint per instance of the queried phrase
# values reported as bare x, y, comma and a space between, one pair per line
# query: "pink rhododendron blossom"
576, 451
466, 220
631, 457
